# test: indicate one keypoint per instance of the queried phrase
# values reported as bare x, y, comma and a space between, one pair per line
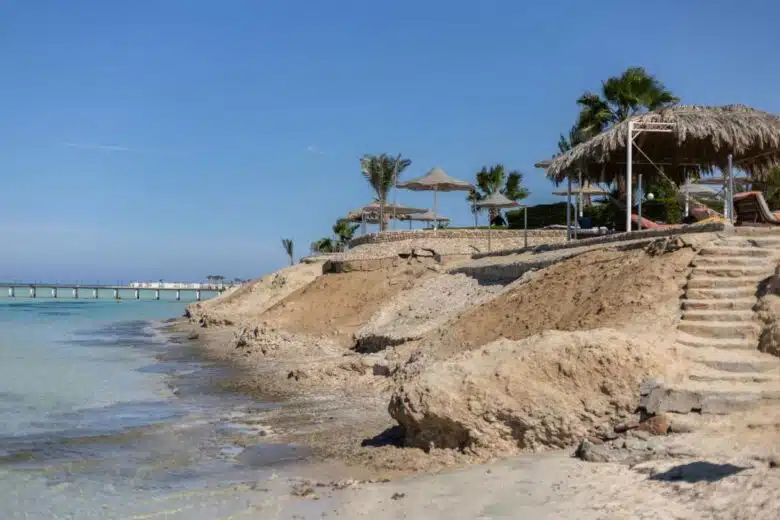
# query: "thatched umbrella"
370, 213
496, 200
428, 216
436, 180
677, 140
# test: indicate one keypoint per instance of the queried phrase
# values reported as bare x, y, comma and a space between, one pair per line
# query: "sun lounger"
752, 210
646, 224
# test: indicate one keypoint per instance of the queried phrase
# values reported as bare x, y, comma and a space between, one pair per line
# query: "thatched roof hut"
686, 139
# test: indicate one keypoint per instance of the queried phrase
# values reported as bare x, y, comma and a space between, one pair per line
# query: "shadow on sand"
698, 472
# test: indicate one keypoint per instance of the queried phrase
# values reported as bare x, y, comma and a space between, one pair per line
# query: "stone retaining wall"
535, 236
713, 227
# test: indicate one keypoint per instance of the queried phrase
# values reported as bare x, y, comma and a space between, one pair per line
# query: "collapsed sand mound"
423, 308
338, 304
604, 288
253, 298
544, 392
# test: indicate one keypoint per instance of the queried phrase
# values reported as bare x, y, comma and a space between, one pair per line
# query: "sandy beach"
420, 395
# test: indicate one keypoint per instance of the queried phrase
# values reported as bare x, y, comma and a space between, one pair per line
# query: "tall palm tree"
633, 92
344, 231
287, 243
382, 172
495, 179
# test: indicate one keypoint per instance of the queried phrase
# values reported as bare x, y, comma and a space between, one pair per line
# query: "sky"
177, 139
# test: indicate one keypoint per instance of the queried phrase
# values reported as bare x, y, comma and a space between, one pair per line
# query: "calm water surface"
103, 417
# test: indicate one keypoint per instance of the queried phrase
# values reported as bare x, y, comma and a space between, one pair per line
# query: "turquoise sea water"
102, 416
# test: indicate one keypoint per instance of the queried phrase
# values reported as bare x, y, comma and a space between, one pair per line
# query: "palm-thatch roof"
436, 180
497, 200
428, 216
698, 138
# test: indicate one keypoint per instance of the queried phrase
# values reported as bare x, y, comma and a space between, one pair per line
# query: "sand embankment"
366, 338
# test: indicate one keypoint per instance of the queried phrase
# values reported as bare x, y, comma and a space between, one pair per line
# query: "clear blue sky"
179, 138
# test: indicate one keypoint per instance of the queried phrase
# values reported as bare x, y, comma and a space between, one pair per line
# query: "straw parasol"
496, 200
428, 216
369, 214
436, 180
679, 139
588, 190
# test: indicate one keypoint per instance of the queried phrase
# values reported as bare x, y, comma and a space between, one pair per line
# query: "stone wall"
535, 236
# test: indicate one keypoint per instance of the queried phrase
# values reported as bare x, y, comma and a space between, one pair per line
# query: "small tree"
287, 243
344, 231
324, 245
495, 179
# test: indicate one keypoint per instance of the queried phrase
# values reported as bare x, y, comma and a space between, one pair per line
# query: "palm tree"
633, 92
382, 172
287, 243
324, 245
344, 231
495, 179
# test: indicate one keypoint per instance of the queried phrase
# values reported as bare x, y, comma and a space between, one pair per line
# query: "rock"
511, 396
193, 335
624, 427
591, 452
397, 496
297, 374
656, 425
774, 461
381, 370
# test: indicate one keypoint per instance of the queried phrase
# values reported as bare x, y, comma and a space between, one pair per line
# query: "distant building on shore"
178, 285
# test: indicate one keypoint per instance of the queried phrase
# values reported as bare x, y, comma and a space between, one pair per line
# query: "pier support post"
53, 292
137, 294
32, 292
157, 294
75, 293
116, 294
197, 295
178, 294
11, 292
95, 293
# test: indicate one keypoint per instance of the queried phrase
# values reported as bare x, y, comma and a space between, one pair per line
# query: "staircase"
719, 330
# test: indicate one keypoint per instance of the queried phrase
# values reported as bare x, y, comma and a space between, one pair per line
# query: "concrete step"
765, 242
756, 231
737, 304
721, 330
720, 293
715, 282
719, 315
696, 341
708, 374
746, 361
763, 270
724, 261
709, 397
746, 251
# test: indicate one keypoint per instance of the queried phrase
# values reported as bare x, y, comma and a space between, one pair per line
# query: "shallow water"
104, 417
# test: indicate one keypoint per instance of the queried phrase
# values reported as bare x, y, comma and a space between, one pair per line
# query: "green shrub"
665, 210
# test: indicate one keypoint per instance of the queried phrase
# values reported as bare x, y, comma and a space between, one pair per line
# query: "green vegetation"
343, 230
492, 180
287, 243
382, 172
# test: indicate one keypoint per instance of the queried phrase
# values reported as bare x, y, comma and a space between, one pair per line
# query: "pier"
105, 292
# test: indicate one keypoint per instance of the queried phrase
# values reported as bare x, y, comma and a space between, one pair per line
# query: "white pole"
639, 195
435, 213
579, 197
731, 190
395, 187
629, 171
568, 208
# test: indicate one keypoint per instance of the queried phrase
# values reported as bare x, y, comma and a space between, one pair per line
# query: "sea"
104, 416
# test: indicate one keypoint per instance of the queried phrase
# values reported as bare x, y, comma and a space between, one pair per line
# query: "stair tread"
719, 312
703, 301
705, 373
688, 340
723, 324
716, 387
